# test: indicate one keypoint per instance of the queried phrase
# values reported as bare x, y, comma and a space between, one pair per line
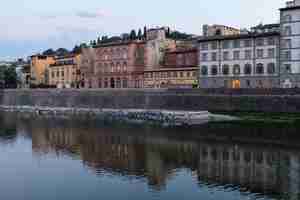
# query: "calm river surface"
84, 159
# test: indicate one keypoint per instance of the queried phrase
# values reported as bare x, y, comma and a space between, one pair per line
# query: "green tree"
132, 35
10, 77
140, 35
99, 40
145, 32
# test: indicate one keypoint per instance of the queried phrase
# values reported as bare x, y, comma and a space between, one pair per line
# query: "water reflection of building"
156, 157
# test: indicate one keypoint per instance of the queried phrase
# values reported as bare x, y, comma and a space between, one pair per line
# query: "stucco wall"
210, 100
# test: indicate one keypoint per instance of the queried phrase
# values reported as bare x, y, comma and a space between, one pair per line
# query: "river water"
85, 159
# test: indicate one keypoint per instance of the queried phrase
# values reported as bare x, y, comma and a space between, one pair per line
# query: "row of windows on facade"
106, 68
61, 73
260, 53
64, 62
227, 44
115, 83
170, 74
247, 156
236, 69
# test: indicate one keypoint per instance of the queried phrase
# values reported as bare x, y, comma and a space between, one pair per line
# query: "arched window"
124, 66
105, 83
214, 70
247, 69
118, 82
260, 68
112, 67
100, 83
204, 70
271, 68
236, 69
225, 69
125, 83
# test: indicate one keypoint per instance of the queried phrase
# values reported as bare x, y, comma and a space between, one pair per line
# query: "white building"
248, 60
290, 44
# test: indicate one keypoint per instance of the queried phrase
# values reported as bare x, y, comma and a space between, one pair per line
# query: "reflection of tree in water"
8, 132
155, 155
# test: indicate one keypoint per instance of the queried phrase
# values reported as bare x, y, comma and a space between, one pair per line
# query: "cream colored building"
65, 73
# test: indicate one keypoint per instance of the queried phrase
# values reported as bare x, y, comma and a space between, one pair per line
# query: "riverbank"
167, 118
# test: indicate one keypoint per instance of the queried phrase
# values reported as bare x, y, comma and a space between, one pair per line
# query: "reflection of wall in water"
258, 169
129, 152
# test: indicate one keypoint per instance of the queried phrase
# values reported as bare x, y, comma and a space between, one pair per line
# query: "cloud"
89, 14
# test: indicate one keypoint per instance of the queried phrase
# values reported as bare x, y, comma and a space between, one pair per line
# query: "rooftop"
238, 36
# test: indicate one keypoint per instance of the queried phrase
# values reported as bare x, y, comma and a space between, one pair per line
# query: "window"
287, 43
271, 53
248, 54
214, 45
105, 83
204, 57
226, 55
100, 83
271, 41
271, 68
247, 69
287, 31
57, 73
288, 68
118, 82
247, 43
181, 74
286, 55
236, 55
214, 56
204, 46
236, 69
214, 70
204, 70
260, 53
53, 75
248, 83
286, 18
226, 44
225, 70
260, 42
188, 74
125, 83
260, 68
236, 44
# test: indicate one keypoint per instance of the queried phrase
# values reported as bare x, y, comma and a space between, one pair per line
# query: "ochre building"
64, 73
39, 66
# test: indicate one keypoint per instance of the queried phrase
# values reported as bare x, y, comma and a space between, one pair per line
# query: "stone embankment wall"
163, 99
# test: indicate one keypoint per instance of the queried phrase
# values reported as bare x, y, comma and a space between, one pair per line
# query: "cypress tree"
140, 35
132, 35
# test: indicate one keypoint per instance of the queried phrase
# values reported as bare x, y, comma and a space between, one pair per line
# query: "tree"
98, 40
133, 35
62, 52
140, 35
76, 50
49, 52
10, 77
145, 32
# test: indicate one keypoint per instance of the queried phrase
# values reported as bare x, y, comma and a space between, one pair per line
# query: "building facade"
179, 70
290, 44
64, 73
249, 60
114, 65
39, 66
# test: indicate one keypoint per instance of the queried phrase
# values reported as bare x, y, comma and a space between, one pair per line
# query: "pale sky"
31, 26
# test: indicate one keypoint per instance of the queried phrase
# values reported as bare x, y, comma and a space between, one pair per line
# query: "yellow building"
39, 66
65, 73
